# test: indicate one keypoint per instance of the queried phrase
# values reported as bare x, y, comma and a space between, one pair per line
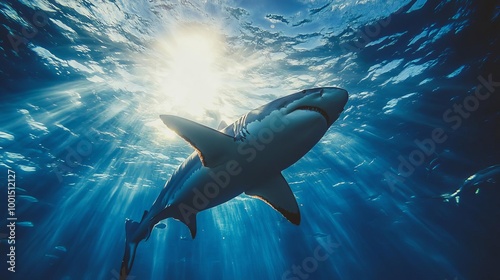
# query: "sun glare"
190, 75
190, 72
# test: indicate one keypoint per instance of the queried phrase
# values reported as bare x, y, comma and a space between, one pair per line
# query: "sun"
188, 73
191, 71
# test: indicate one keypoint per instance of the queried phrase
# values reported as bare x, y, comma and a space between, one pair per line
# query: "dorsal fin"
212, 145
222, 125
278, 195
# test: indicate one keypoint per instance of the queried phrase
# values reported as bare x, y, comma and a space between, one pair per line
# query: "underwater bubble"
61, 248
20, 190
25, 224
6, 136
27, 168
50, 256
28, 198
319, 235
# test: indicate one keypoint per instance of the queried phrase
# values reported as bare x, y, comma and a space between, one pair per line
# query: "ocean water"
405, 184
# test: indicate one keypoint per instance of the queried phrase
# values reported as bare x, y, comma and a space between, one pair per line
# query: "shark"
245, 157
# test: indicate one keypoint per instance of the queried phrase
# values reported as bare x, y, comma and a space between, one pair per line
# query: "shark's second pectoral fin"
278, 195
182, 213
191, 225
210, 144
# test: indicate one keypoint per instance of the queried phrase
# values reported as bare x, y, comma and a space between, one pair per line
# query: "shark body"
244, 157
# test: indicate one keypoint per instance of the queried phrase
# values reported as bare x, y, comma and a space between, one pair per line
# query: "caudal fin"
130, 248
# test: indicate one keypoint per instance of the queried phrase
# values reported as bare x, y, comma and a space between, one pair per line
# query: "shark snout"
343, 96
329, 102
337, 96
333, 101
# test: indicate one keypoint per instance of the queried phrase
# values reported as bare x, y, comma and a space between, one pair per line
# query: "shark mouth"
317, 110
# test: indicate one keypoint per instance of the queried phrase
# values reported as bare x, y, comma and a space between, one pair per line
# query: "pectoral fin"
184, 214
278, 195
191, 225
212, 146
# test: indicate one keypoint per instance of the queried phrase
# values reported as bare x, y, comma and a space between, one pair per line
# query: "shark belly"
208, 187
270, 148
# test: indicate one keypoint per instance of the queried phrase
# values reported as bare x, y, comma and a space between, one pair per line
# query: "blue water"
405, 185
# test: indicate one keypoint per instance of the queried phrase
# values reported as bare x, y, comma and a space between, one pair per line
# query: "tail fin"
130, 248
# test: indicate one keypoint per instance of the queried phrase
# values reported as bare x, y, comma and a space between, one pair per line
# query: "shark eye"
304, 91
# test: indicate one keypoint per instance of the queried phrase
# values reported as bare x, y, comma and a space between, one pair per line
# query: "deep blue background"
405, 65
